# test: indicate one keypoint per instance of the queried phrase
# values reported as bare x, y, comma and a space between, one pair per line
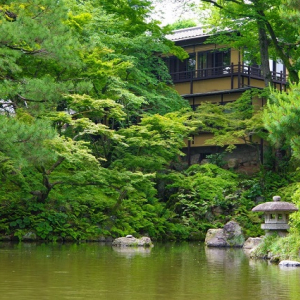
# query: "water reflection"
229, 257
172, 271
130, 252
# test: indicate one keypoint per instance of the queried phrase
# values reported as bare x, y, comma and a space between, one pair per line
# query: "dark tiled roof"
187, 33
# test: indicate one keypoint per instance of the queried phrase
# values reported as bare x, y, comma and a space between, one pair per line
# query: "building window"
250, 66
213, 63
202, 64
277, 69
182, 69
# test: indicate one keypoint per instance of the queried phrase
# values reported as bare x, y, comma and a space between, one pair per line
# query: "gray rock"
204, 161
252, 242
275, 259
233, 163
289, 263
29, 236
101, 238
195, 159
217, 211
215, 238
230, 236
233, 234
109, 239
132, 242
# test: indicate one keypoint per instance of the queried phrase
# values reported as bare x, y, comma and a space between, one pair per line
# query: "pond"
171, 271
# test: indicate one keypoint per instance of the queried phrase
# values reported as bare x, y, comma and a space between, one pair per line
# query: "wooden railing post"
192, 83
231, 75
239, 75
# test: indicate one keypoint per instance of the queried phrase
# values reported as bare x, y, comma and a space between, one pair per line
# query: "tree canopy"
81, 83
281, 119
92, 128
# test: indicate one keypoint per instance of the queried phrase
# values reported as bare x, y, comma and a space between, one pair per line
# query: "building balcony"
233, 76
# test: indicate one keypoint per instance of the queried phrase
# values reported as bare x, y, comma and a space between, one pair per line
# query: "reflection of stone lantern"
276, 215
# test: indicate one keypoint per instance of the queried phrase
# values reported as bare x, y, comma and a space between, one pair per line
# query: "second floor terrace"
225, 77
212, 67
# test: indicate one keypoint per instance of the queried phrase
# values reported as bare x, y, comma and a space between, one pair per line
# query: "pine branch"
30, 100
30, 52
11, 15
55, 165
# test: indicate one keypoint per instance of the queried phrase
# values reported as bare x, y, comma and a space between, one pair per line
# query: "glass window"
202, 60
213, 60
206, 63
276, 66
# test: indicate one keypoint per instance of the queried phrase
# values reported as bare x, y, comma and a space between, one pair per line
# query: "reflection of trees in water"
251, 279
227, 268
278, 283
175, 271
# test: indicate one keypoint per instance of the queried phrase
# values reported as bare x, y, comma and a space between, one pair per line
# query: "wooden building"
213, 73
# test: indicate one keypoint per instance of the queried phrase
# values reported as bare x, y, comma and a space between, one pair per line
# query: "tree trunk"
293, 74
264, 53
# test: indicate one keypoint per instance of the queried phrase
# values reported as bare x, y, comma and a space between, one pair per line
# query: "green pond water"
167, 271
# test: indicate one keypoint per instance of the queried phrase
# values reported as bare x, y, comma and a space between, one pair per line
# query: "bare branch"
238, 15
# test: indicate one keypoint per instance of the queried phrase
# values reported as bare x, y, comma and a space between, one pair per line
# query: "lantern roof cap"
276, 206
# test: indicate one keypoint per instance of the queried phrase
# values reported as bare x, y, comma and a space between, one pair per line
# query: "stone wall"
244, 158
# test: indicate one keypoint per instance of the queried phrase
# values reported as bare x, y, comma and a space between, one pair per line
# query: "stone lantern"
276, 215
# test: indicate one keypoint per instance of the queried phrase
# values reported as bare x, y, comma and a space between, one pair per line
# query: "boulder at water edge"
289, 263
130, 241
252, 242
229, 236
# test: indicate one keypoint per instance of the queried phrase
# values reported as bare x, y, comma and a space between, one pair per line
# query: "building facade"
216, 74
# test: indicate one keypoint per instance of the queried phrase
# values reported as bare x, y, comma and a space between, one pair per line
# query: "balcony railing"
241, 70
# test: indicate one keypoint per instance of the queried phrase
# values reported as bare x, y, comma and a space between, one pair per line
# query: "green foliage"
264, 248
281, 119
91, 128
250, 221
268, 183
76, 220
280, 247
271, 26
153, 143
75, 81
260, 188
207, 196
181, 24
217, 159
24, 140
292, 193
198, 192
287, 247
231, 123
